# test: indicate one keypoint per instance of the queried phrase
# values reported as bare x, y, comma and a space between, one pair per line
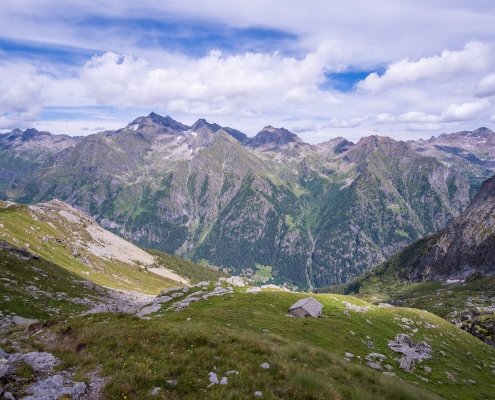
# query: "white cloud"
21, 99
486, 86
453, 113
465, 111
351, 123
213, 79
384, 118
475, 57
417, 116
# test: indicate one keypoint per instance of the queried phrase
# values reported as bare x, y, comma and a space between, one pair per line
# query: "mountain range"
270, 207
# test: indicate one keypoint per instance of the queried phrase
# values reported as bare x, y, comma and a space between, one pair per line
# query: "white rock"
213, 378
265, 366
258, 394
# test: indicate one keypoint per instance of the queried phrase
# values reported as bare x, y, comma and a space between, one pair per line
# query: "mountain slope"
312, 215
74, 241
450, 273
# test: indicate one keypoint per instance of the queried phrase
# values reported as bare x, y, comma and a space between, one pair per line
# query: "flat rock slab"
20, 321
162, 299
56, 387
40, 361
148, 310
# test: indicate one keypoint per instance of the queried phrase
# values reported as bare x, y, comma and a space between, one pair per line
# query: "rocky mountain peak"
270, 137
201, 124
241, 137
167, 122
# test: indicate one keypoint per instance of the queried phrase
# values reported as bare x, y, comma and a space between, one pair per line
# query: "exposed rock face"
479, 322
317, 215
464, 248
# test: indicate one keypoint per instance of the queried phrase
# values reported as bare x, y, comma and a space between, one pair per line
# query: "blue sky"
407, 70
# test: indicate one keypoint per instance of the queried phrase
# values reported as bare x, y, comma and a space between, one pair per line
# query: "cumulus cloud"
417, 116
351, 123
475, 57
453, 113
384, 118
21, 99
486, 86
465, 111
213, 79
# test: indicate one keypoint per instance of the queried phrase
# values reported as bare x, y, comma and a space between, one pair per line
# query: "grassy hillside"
187, 269
68, 243
37, 288
176, 351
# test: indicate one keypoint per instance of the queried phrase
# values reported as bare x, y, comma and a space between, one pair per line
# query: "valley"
317, 214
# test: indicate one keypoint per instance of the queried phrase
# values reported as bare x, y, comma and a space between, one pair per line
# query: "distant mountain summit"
269, 138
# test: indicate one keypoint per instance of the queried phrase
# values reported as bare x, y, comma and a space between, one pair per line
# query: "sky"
408, 70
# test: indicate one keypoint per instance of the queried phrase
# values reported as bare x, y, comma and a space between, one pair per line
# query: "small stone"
188, 319
155, 391
349, 355
370, 344
231, 372
213, 378
375, 366
346, 312
8, 396
265, 366
223, 381
389, 373
423, 378
442, 353
427, 369
471, 381
258, 394
172, 382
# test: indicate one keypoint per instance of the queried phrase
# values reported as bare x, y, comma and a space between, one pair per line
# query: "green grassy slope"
54, 238
241, 331
19, 279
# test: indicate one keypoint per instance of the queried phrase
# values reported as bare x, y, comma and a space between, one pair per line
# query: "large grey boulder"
21, 321
56, 387
40, 362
